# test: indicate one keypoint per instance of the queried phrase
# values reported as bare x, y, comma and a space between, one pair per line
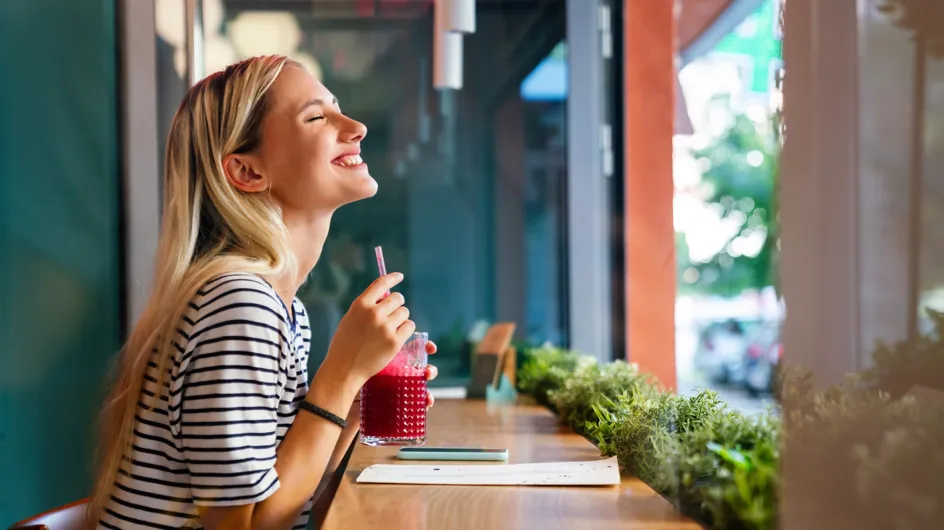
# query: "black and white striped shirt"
232, 391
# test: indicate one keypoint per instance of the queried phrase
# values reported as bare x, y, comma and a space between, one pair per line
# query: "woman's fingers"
431, 373
398, 318
406, 329
390, 304
380, 287
431, 347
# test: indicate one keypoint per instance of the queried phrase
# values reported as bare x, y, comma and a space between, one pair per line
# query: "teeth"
348, 161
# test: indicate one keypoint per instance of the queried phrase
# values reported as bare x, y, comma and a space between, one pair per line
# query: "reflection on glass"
470, 205
887, 81
170, 65
545, 94
929, 128
868, 453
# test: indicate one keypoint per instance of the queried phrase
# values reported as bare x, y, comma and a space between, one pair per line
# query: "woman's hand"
371, 333
431, 372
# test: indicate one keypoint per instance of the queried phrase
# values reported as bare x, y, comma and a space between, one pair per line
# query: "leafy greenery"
883, 456
545, 369
900, 483
591, 386
896, 368
719, 465
722, 467
737, 479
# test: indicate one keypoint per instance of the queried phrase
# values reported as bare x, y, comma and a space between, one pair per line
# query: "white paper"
592, 473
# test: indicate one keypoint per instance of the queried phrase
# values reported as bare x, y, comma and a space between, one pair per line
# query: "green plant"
859, 457
591, 386
729, 470
640, 431
899, 479
718, 465
897, 368
545, 369
826, 435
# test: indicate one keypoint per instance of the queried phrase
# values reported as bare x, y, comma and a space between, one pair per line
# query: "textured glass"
393, 402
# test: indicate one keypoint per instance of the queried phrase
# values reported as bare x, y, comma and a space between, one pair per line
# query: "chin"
364, 188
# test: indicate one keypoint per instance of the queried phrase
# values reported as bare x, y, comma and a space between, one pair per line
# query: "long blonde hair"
209, 228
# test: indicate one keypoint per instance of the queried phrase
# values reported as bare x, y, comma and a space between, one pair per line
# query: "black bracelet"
322, 413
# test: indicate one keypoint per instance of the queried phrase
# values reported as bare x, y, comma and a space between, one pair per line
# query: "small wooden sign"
497, 338
485, 372
491, 359
511, 365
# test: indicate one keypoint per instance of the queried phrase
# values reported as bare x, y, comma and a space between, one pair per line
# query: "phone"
453, 453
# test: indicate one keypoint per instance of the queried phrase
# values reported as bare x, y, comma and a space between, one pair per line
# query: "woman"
211, 422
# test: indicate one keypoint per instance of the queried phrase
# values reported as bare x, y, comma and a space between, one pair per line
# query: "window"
473, 182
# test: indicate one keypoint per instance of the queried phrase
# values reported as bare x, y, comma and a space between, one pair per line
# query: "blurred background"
606, 174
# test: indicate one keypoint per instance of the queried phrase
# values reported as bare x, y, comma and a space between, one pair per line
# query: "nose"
353, 132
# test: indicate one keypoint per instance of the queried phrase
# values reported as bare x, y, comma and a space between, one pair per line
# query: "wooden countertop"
531, 434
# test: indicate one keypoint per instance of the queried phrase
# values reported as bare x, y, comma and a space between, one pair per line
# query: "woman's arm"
301, 460
369, 335
344, 443
304, 455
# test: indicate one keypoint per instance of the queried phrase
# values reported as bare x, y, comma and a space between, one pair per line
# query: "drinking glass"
393, 402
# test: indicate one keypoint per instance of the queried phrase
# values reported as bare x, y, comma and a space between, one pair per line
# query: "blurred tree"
739, 182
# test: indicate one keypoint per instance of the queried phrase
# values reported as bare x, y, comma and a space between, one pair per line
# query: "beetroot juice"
393, 402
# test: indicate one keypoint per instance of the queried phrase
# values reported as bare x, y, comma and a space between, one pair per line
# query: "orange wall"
650, 32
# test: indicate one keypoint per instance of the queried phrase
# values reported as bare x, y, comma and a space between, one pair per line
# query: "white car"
722, 349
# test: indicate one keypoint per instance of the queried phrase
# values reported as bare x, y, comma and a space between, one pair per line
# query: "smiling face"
308, 156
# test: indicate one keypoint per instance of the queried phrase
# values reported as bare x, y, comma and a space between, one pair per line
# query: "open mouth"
348, 161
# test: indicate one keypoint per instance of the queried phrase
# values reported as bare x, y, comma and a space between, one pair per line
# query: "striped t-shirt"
232, 391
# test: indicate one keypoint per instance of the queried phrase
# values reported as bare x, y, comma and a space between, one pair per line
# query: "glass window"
887, 81
544, 96
901, 189
170, 63
472, 181
728, 310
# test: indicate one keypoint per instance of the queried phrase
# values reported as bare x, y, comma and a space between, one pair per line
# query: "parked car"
721, 352
763, 358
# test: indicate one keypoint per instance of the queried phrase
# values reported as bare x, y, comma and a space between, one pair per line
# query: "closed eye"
314, 118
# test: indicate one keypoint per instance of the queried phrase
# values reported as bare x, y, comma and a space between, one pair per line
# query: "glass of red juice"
393, 402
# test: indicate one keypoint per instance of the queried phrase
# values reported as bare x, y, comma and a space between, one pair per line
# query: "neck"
307, 234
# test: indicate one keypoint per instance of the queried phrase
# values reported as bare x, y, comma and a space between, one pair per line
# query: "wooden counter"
530, 434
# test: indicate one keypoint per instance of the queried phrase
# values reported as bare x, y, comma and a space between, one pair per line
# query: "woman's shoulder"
237, 296
243, 285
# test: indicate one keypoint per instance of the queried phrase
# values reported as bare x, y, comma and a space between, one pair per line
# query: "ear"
242, 174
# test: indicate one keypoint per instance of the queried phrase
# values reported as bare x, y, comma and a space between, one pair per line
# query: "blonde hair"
209, 228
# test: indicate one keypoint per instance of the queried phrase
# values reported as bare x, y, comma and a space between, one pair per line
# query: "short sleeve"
225, 399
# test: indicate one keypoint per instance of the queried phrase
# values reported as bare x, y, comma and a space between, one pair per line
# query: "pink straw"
381, 267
